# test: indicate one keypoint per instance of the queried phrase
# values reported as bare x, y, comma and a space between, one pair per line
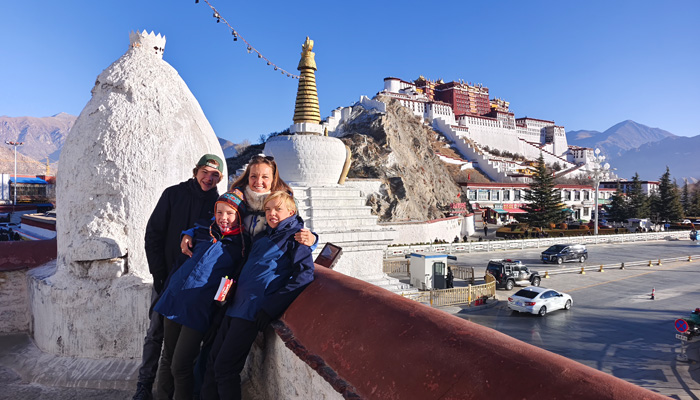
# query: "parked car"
539, 300
560, 253
509, 273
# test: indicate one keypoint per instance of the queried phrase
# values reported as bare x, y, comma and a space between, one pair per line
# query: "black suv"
565, 252
509, 273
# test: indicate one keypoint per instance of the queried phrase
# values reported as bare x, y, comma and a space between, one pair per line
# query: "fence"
621, 265
447, 297
402, 267
487, 246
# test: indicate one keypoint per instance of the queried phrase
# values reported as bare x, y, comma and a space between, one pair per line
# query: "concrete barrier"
370, 343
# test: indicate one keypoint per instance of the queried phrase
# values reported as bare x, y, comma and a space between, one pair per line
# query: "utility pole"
600, 172
15, 144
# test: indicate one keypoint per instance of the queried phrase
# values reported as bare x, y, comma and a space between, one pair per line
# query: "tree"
543, 200
638, 203
685, 198
618, 206
694, 209
668, 206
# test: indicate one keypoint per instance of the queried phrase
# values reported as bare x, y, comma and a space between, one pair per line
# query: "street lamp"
15, 144
600, 172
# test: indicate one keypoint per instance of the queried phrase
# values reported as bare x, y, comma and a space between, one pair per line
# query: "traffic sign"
681, 325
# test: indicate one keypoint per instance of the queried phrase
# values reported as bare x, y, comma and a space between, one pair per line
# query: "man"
177, 210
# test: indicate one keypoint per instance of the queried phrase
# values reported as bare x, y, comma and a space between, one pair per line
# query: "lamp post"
600, 172
15, 144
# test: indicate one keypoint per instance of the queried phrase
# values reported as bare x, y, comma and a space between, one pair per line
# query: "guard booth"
429, 270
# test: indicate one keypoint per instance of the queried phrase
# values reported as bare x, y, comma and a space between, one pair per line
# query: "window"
516, 195
483, 195
577, 195
506, 195
495, 195
586, 195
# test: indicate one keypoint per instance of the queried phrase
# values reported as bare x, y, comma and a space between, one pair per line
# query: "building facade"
501, 202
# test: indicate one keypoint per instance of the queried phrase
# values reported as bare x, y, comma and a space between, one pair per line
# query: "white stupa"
141, 132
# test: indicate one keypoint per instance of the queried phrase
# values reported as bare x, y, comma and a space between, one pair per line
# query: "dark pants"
152, 344
180, 350
227, 358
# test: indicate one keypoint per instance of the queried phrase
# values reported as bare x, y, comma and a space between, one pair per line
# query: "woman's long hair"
277, 182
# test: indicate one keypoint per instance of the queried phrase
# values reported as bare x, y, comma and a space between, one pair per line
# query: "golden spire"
306, 108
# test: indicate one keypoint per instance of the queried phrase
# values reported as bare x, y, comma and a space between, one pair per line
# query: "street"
614, 325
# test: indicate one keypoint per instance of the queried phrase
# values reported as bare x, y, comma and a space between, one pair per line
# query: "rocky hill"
397, 149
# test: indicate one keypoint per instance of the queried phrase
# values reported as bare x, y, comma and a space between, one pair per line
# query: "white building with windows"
499, 203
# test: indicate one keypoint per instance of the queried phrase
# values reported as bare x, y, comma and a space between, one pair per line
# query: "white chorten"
141, 132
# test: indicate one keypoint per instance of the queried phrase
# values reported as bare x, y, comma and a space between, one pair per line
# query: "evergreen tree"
668, 207
694, 208
685, 198
638, 202
543, 200
618, 206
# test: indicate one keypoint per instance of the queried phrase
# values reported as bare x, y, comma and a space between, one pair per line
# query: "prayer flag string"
249, 48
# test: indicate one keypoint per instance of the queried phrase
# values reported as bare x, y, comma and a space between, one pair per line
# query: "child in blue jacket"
188, 303
277, 270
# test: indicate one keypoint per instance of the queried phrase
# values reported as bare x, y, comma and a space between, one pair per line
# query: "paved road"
613, 326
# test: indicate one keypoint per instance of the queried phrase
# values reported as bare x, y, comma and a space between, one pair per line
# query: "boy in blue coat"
188, 303
277, 270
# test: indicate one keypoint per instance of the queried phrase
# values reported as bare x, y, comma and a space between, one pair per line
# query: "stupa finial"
149, 42
306, 109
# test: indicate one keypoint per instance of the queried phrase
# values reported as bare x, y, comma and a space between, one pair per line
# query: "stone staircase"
338, 215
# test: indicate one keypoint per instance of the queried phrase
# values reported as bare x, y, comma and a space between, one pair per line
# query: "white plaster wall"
366, 187
370, 104
141, 132
14, 307
419, 232
273, 371
308, 160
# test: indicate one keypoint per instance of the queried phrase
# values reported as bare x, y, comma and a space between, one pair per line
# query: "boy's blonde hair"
284, 197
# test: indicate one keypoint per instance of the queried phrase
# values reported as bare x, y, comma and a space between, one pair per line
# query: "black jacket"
179, 207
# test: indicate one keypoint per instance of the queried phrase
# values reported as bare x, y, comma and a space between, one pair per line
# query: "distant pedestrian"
450, 281
486, 229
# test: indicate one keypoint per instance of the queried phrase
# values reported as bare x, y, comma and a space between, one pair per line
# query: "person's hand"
158, 284
262, 320
186, 245
305, 237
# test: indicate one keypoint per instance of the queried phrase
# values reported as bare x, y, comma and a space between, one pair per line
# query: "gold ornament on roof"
306, 108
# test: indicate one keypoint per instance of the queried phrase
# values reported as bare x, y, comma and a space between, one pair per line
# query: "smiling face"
225, 217
276, 211
208, 177
260, 178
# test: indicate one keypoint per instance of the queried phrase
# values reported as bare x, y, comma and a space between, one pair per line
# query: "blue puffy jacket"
277, 270
188, 298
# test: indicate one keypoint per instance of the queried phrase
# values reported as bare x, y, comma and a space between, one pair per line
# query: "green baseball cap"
204, 161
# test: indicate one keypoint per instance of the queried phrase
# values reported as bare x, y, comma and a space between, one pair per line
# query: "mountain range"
630, 147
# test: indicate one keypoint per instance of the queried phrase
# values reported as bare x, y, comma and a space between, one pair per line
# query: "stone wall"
16, 258
352, 334
417, 232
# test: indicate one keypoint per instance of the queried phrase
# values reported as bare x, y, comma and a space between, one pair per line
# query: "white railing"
495, 245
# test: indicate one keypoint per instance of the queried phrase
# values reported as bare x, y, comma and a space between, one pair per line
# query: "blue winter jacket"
189, 296
277, 270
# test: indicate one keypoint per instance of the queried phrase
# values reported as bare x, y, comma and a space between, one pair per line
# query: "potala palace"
484, 131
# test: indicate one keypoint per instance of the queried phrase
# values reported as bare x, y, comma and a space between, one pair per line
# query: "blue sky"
583, 64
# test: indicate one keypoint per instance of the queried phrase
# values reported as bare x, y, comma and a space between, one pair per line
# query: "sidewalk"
29, 374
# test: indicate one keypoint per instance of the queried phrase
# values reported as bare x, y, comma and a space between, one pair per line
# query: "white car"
539, 300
